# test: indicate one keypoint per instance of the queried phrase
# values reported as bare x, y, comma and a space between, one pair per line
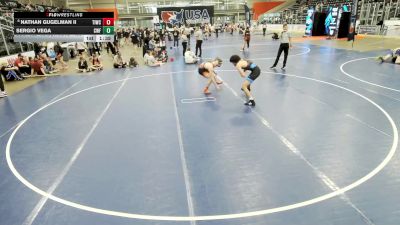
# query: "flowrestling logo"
186, 15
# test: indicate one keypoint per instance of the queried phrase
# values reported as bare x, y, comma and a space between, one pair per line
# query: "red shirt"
17, 61
36, 66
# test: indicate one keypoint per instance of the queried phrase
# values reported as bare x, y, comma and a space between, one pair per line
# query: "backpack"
275, 36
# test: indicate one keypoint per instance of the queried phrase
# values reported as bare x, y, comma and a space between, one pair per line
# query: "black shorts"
254, 74
202, 70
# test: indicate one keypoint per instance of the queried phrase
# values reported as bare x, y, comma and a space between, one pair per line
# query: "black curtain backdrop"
319, 24
344, 25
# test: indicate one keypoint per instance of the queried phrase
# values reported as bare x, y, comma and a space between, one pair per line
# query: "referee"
286, 42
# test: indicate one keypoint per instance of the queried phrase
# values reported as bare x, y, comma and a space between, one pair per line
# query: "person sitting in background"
3, 92
22, 67
163, 56
132, 62
28, 61
52, 56
37, 67
146, 57
96, 64
82, 65
47, 65
118, 62
10, 72
151, 61
60, 58
393, 56
190, 57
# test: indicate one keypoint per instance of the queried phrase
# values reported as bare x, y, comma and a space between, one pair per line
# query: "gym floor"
145, 146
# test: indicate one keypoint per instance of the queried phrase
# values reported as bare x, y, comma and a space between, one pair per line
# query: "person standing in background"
264, 27
286, 43
184, 42
246, 39
187, 32
176, 37
199, 40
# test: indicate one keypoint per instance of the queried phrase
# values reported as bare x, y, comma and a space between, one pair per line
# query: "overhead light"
233, 3
182, 3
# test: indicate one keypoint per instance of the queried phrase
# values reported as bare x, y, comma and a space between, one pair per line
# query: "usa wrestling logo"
172, 17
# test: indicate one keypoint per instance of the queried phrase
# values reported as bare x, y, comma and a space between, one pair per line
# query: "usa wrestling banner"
186, 15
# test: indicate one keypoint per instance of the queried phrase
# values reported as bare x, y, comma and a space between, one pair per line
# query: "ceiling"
134, 6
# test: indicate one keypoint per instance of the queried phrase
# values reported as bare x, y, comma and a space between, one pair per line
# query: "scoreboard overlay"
65, 26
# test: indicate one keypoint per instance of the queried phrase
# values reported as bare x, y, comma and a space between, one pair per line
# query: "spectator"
111, 47
60, 58
151, 61
190, 57
135, 38
47, 65
81, 47
52, 56
264, 28
118, 62
96, 63
163, 56
10, 72
91, 48
146, 41
19, 63
199, 40
132, 62
184, 42
146, 57
3, 92
187, 31
36, 48
175, 33
83, 65
37, 67
151, 43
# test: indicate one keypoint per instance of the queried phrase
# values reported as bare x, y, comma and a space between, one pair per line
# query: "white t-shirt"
118, 60
151, 61
187, 31
184, 38
190, 57
199, 35
285, 37
146, 58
